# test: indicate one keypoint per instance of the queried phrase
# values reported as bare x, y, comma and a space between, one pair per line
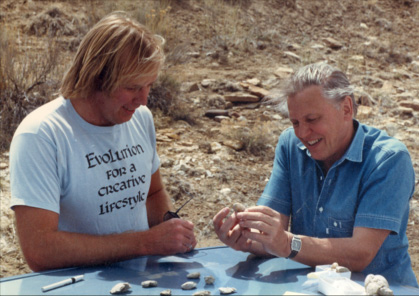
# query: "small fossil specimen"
167, 292
120, 288
238, 207
377, 285
202, 293
149, 284
194, 275
188, 286
341, 269
209, 280
227, 290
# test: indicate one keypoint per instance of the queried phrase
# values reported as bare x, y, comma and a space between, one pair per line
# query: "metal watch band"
295, 246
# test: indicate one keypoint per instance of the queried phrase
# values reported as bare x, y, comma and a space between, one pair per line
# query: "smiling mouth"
314, 142
129, 110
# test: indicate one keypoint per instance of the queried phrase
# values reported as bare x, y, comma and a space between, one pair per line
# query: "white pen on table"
65, 282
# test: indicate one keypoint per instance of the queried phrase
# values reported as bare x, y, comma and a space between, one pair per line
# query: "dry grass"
258, 139
26, 83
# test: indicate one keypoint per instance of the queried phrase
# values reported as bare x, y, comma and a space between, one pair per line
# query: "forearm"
345, 251
158, 200
60, 249
354, 252
269, 229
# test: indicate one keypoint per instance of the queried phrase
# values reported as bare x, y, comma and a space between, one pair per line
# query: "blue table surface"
250, 275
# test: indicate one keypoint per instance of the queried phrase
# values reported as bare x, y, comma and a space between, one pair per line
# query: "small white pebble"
209, 280
167, 292
188, 286
149, 284
194, 275
202, 293
227, 290
120, 288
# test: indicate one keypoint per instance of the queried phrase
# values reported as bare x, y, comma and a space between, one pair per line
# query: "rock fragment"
202, 293
194, 275
332, 43
188, 286
377, 285
238, 207
241, 98
167, 292
149, 284
227, 290
209, 280
120, 288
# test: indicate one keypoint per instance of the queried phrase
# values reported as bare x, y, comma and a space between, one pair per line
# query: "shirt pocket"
339, 227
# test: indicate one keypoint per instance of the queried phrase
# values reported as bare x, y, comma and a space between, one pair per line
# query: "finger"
234, 234
188, 247
188, 224
254, 236
219, 217
259, 216
263, 209
229, 223
261, 226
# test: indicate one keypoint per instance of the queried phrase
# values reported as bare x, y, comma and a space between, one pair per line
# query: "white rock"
120, 288
149, 284
188, 286
227, 290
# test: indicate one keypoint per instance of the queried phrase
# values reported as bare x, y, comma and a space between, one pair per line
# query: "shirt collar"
354, 152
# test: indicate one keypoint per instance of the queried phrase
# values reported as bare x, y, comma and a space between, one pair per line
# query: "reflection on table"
250, 275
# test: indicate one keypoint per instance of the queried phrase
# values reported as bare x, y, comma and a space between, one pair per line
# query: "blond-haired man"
85, 180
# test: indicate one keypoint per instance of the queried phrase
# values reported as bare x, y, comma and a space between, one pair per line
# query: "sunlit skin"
107, 110
325, 130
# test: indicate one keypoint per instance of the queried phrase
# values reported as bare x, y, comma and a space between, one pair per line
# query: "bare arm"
354, 252
158, 201
45, 247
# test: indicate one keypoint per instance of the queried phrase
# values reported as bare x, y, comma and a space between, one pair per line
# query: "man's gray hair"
334, 83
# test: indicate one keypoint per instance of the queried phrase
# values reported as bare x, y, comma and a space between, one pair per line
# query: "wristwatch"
295, 246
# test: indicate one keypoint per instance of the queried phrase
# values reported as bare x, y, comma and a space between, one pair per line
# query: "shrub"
24, 84
258, 140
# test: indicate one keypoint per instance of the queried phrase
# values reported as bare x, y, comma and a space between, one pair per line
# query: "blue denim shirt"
370, 186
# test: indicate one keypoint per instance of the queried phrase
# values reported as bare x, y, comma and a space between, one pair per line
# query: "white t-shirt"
96, 178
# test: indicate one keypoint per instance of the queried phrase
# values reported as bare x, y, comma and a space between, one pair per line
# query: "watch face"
296, 244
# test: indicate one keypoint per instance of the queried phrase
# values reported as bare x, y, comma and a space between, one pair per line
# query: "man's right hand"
229, 232
173, 236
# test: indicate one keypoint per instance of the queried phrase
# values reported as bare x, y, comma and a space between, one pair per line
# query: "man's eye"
133, 88
311, 119
294, 124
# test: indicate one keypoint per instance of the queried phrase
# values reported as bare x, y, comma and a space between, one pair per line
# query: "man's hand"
173, 236
268, 228
229, 232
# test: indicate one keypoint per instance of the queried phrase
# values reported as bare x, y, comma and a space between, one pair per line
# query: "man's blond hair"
116, 50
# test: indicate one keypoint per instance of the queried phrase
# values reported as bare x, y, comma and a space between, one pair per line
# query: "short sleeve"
152, 134
34, 178
277, 192
385, 193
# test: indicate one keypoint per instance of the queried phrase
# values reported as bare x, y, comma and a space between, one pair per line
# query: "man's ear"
348, 107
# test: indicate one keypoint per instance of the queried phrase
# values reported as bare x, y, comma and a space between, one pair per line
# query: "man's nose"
141, 95
303, 131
